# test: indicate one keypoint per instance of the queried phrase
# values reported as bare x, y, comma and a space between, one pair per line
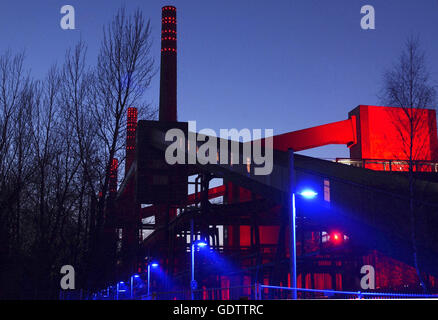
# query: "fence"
390, 164
261, 292
265, 292
229, 293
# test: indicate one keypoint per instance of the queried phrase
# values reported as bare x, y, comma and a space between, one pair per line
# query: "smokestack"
168, 110
130, 137
113, 177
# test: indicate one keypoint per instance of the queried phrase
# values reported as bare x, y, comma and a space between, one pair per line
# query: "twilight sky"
286, 64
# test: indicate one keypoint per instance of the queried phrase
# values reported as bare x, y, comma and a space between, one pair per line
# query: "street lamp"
135, 276
118, 289
308, 194
193, 283
153, 265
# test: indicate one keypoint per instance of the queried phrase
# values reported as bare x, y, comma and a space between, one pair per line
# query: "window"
327, 190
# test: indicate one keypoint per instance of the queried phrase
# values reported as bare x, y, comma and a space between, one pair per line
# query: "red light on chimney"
114, 165
113, 176
168, 78
130, 137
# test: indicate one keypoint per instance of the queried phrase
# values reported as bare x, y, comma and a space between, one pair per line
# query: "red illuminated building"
360, 216
384, 134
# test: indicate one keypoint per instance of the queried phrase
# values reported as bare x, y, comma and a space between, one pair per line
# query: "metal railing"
390, 164
226, 293
267, 292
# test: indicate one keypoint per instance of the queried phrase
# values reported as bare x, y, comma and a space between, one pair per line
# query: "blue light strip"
357, 293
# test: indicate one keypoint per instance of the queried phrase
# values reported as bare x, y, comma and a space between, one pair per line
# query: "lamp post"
307, 194
153, 265
293, 249
118, 289
193, 283
135, 276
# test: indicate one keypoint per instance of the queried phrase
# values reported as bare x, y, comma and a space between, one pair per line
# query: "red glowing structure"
168, 110
378, 138
253, 227
341, 132
130, 137
113, 177
384, 138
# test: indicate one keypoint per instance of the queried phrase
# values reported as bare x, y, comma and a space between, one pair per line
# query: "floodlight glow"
308, 193
154, 264
136, 276
201, 244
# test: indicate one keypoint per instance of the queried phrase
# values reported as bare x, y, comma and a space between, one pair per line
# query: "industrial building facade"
359, 217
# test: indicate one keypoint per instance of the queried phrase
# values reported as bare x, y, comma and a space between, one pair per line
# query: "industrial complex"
346, 213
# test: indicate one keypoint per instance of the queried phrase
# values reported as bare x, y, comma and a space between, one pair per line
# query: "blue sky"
285, 65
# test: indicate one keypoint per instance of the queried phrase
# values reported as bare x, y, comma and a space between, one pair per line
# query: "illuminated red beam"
212, 193
341, 132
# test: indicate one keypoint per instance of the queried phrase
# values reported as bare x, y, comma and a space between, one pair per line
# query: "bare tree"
124, 72
78, 100
13, 84
408, 86
15, 117
58, 138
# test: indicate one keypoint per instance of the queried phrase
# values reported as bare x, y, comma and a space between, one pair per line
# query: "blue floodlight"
201, 244
154, 264
136, 276
308, 194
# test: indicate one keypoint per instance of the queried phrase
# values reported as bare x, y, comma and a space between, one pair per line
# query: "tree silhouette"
407, 85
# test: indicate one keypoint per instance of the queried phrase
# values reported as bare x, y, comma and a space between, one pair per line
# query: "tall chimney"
113, 177
168, 110
130, 137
